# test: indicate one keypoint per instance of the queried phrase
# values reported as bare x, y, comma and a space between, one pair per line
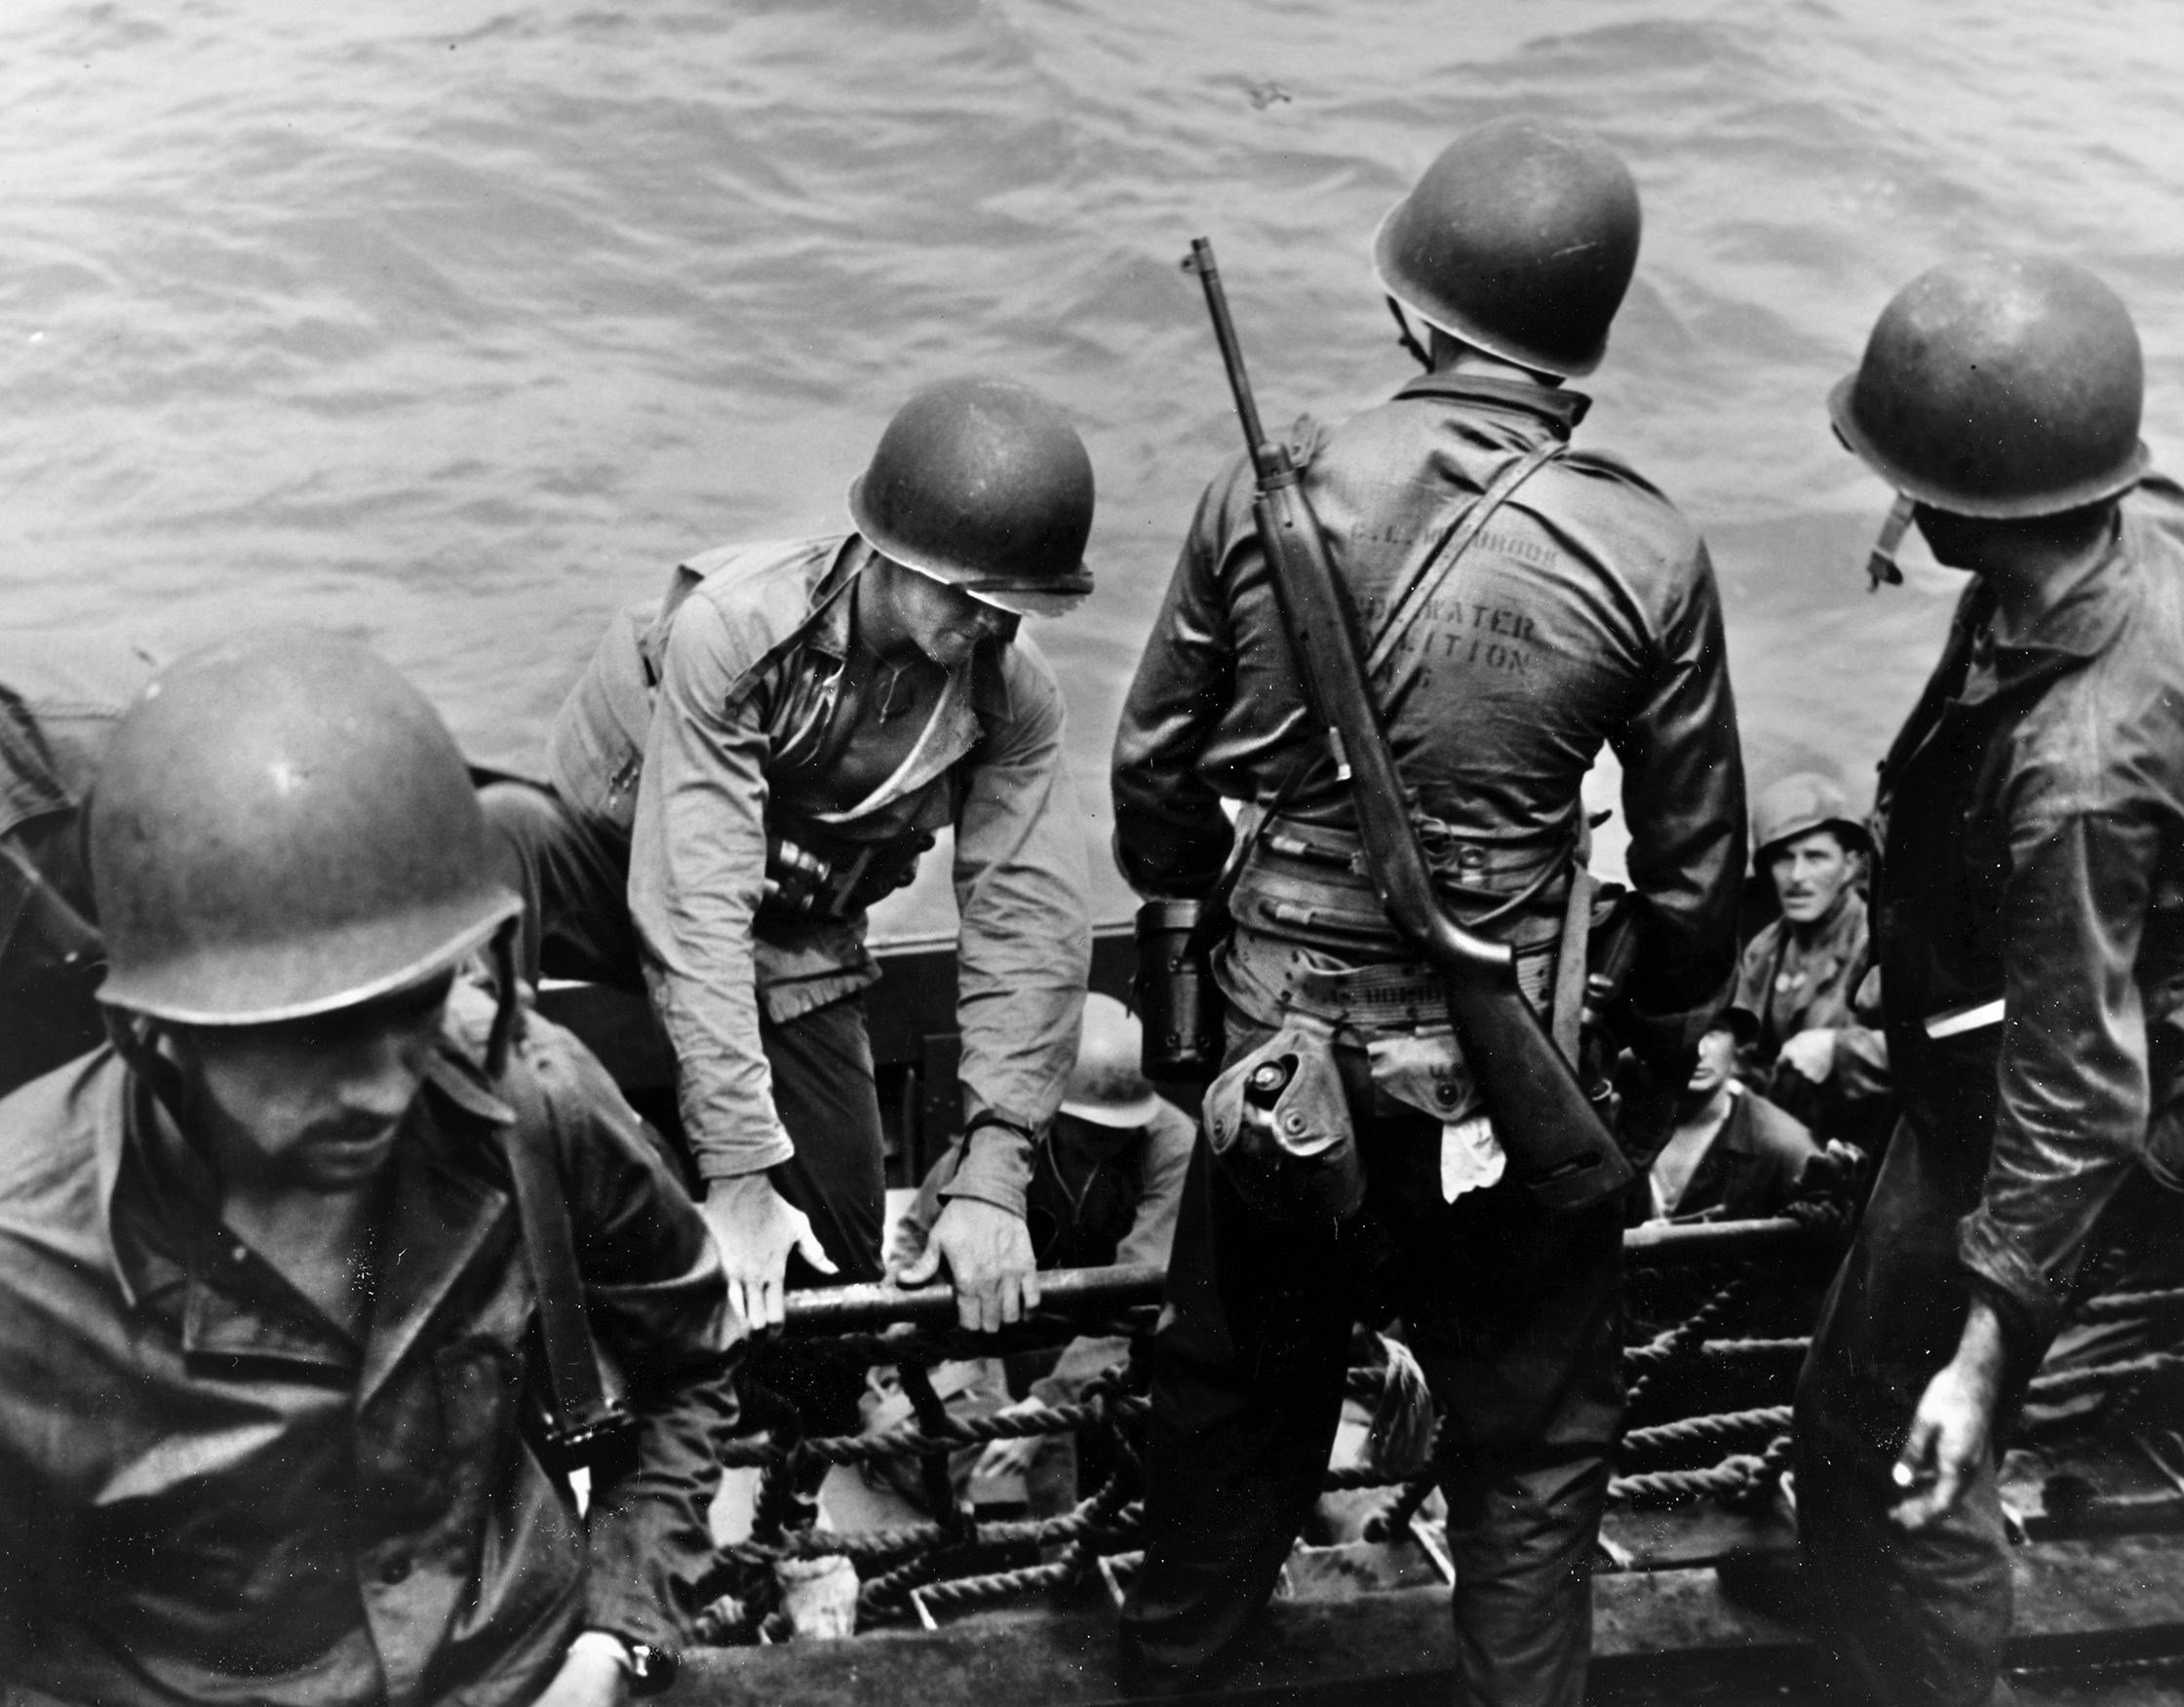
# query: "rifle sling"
572, 1375
1440, 562
1432, 575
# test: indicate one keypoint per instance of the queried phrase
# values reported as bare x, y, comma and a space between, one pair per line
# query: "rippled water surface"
453, 325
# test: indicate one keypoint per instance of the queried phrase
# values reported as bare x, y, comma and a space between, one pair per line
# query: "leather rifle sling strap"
1432, 575
581, 1407
1440, 562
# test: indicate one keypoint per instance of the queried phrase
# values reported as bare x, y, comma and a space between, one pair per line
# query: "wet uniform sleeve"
1024, 947
2073, 1080
1684, 801
1171, 836
698, 872
658, 1302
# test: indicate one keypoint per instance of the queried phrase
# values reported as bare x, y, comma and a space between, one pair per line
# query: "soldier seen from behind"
1579, 612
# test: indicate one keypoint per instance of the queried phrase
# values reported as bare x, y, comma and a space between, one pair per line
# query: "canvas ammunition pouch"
1280, 1126
1304, 907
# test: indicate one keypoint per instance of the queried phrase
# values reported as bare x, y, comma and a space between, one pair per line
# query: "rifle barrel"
1231, 353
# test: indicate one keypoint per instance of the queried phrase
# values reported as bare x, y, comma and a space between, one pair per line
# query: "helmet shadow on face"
313, 1103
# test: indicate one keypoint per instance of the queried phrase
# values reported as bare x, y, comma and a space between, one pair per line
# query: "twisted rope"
919, 1556
1722, 1428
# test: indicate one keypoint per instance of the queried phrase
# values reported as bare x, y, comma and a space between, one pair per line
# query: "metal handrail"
859, 1309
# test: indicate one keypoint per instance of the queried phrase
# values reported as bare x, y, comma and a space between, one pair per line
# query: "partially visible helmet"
283, 827
983, 484
1999, 387
1519, 238
1798, 805
1107, 1086
1737, 1020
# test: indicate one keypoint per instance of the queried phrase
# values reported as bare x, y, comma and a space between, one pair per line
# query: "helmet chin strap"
1881, 566
1407, 337
508, 1010
135, 1039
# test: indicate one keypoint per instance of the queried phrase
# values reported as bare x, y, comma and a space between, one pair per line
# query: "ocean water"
452, 326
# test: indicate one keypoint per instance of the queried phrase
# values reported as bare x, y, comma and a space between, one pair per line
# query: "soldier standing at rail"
2030, 927
1585, 613
749, 764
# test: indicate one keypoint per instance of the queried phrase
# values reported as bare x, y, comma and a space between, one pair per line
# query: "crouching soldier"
2029, 923
1812, 1051
1107, 1178
269, 1331
751, 764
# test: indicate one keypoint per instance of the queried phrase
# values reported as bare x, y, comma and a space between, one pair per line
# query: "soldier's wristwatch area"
649, 1669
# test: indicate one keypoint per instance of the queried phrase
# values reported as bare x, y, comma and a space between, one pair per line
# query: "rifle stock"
1558, 1147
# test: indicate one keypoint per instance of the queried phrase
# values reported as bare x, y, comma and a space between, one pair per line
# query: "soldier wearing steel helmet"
1106, 1177
1813, 1051
2029, 925
1581, 612
750, 763
268, 1315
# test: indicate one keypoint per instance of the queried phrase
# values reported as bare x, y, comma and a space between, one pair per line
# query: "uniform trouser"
1911, 1619
574, 881
1916, 1620
1516, 1319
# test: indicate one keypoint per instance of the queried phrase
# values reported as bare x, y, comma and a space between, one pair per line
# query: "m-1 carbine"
1558, 1147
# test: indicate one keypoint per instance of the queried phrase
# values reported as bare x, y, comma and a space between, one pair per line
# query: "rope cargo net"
1734, 1451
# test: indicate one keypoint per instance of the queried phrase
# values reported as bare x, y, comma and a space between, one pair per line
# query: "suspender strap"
582, 1417
1440, 562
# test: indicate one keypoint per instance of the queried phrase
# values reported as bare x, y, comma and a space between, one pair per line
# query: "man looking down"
752, 762
269, 1318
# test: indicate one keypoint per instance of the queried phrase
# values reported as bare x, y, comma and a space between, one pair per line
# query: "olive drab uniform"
705, 722
2029, 924
225, 1482
1793, 986
2022, 860
1585, 615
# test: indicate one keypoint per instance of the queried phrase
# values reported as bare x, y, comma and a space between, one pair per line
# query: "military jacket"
699, 712
2033, 853
215, 1494
1584, 615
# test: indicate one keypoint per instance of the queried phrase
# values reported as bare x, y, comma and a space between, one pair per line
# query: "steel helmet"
1107, 1086
1519, 238
1798, 804
283, 827
1999, 387
983, 484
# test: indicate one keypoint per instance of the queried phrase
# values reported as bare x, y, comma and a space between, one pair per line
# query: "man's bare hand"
988, 1256
1012, 1457
1810, 1054
755, 1229
1952, 1431
590, 1677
